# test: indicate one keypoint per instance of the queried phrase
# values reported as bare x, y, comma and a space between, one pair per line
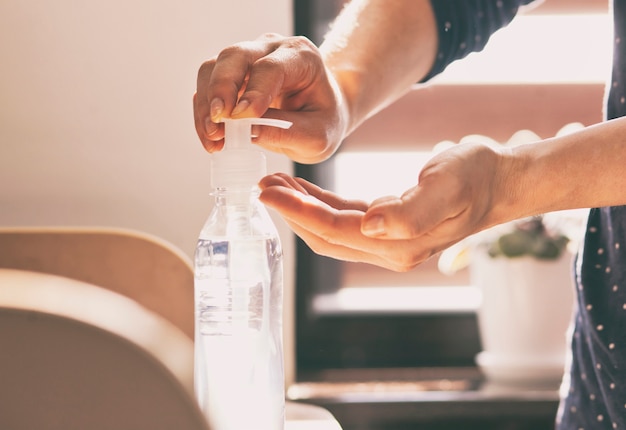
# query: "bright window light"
370, 175
541, 48
532, 49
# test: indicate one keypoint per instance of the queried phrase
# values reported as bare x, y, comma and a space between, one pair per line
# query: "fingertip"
212, 146
273, 194
241, 107
265, 182
274, 179
208, 146
268, 198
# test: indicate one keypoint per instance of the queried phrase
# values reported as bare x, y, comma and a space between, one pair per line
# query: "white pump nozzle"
239, 164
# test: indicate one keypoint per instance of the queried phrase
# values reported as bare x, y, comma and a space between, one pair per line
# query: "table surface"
300, 416
381, 398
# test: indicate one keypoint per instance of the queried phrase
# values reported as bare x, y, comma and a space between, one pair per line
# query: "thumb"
406, 217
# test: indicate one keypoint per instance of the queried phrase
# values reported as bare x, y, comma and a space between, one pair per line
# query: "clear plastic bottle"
239, 375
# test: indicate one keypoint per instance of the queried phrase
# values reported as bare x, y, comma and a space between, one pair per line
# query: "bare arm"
582, 170
377, 49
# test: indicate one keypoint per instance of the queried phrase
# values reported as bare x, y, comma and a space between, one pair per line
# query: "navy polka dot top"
594, 387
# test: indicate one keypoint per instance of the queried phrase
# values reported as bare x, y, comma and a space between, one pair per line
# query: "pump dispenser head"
240, 164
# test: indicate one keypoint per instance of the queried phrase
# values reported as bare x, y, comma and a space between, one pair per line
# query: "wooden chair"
77, 356
145, 268
99, 325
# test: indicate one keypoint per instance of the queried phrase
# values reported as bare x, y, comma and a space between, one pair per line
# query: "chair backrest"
77, 356
145, 268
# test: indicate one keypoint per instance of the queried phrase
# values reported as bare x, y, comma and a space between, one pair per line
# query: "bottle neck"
238, 213
236, 196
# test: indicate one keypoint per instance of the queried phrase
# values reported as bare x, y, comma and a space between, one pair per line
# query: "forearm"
582, 170
377, 49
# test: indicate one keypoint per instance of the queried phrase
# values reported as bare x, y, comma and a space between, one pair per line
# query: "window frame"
422, 118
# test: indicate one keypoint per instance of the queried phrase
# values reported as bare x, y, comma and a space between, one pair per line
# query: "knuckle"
267, 63
310, 56
206, 67
223, 84
306, 50
259, 103
231, 51
301, 42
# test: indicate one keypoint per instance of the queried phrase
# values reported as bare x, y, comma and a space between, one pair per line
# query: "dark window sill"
426, 398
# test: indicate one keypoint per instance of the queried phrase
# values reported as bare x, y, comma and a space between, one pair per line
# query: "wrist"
345, 83
512, 196
531, 184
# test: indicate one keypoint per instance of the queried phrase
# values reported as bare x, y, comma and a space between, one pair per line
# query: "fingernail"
374, 226
217, 107
241, 106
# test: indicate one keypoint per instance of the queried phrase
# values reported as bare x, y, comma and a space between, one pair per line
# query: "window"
359, 316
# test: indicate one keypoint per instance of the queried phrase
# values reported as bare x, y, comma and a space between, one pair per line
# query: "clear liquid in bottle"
239, 362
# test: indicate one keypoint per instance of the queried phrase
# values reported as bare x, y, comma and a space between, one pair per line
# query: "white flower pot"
523, 319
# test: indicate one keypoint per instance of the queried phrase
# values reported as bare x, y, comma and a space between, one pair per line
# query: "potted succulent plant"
523, 270
525, 278
530, 237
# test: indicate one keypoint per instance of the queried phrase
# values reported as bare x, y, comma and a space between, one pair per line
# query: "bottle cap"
240, 164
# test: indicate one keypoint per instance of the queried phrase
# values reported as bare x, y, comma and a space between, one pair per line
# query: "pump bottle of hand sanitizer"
239, 376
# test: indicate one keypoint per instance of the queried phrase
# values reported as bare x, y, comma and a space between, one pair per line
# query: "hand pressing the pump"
374, 53
461, 191
277, 77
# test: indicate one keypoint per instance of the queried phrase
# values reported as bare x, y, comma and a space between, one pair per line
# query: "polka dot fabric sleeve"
594, 387
465, 26
616, 103
594, 390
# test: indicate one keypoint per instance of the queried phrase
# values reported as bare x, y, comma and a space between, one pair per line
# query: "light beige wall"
96, 123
